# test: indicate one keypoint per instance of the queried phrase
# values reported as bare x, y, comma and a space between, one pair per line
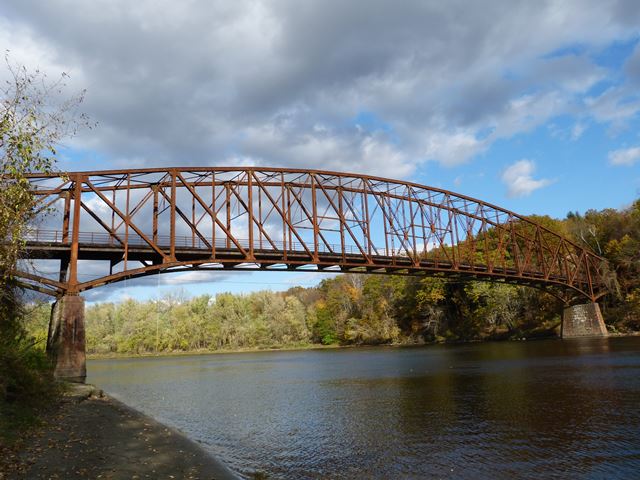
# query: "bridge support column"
583, 321
66, 340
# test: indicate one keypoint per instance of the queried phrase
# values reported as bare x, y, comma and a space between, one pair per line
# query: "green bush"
26, 375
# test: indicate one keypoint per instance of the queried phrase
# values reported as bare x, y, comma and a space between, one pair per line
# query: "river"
543, 409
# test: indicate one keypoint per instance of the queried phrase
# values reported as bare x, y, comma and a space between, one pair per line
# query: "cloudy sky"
529, 105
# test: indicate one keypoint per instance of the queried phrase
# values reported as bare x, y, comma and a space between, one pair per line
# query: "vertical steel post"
386, 226
65, 217
516, 248
341, 219
127, 220
452, 234
193, 220
416, 257
455, 240
250, 210
75, 236
365, 201
314, 215
589, 279
260, 217
284, 222
64, 263
172, 230
113, 212
155, 214
288, 214
227, 186
213, 214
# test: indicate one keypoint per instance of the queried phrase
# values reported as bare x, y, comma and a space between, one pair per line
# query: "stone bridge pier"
66, 339
583, 320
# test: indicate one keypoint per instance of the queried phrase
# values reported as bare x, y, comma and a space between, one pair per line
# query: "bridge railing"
105, 239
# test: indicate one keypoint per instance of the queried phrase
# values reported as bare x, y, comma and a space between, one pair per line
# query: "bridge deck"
99, 246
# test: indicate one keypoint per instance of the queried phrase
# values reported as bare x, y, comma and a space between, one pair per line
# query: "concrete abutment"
583, 320
66, 339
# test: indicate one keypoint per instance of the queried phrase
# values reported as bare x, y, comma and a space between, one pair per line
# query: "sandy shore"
89, 436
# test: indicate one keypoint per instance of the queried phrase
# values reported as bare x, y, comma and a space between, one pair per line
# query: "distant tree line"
369, 309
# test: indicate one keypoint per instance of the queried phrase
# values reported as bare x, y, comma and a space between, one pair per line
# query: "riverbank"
544, 335
178, 353
89, 435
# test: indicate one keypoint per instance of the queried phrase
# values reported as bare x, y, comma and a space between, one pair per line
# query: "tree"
34, 119
35, 115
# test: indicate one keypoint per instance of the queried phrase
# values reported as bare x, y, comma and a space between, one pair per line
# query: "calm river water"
546, 409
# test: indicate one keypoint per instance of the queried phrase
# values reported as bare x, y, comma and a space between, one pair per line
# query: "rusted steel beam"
271, 170
249, 209
127, 221
40, 279
136, 208
401, 268
314, 218
53, 292
343, 224
154, 234
172, 221
292, 229
456, 232
257, 221
351, 266
227, 229
75, 232
310, 217
66, 217
194, 229
117, 211
93, 215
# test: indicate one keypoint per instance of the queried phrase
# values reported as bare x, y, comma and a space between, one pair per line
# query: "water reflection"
558, 409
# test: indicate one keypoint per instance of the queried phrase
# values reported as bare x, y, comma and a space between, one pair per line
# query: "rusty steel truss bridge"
101, 227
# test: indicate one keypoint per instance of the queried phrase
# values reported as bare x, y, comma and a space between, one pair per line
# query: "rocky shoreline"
90, 435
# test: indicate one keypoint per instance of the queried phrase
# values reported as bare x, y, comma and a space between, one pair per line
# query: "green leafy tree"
34, 118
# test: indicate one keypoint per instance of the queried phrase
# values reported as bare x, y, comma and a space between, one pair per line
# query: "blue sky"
533, 106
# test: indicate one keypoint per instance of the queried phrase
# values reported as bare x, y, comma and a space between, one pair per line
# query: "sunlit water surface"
546, 409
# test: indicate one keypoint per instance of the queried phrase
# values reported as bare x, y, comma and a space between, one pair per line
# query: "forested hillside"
369, 309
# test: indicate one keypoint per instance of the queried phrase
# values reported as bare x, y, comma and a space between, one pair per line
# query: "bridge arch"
102, 227
146, 221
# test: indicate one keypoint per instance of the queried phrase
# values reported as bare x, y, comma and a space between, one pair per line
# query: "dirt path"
101, 438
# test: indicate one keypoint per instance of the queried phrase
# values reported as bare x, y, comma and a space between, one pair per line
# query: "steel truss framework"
141, 222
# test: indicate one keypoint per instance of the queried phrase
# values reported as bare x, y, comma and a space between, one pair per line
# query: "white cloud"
452, 148
615, 106
194, 276
275, 83
163, 282
519, 179
625, 156
308, 278
577, 131
352, 150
